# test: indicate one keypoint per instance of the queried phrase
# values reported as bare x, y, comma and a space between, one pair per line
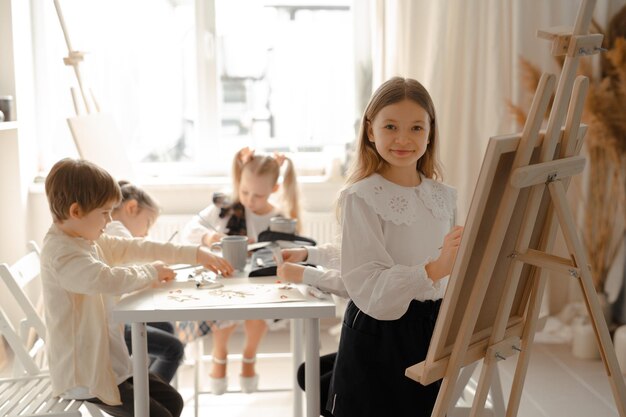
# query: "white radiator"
321, 226
168, 225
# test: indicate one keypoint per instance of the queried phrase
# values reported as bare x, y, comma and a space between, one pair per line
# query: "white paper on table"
235, 294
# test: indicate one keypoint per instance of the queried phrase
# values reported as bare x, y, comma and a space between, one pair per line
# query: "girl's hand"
290, 272
213, 262
442, 266
210, 238
295, 255
164, 273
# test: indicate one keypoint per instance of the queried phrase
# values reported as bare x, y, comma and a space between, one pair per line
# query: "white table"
139, 309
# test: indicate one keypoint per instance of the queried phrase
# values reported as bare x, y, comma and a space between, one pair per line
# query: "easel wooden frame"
507, 243
95, 133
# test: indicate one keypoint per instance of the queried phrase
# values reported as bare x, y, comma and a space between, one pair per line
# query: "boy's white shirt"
77, 277
196, 227
121, 363
389, 234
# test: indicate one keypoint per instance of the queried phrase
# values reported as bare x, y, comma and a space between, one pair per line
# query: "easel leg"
607, 352
461, 383
497, 398
490, 365
528, 335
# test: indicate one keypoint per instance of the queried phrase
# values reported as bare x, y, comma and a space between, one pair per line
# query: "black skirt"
368, 379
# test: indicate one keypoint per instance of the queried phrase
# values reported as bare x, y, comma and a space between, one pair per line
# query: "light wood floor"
557, 384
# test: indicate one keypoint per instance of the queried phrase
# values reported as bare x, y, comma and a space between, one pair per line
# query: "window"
189, 83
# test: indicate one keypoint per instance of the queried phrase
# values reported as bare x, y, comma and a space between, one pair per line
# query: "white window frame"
207, 130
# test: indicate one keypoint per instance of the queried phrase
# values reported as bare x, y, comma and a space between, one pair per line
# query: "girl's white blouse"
329, 279
201, 224
389, 233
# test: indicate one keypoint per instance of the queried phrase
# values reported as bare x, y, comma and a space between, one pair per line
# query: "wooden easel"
95, 133
507, 243
73, 59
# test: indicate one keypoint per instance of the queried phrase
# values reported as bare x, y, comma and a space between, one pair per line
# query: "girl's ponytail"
290, 192
242, 157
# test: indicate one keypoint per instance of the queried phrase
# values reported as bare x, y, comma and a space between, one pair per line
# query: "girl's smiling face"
400, 133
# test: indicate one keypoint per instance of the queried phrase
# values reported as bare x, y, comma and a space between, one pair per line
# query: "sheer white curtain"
466, 53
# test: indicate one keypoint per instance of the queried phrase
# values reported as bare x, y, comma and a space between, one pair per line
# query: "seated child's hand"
213, 262
209, 239
164, 273
290, 272
295, 255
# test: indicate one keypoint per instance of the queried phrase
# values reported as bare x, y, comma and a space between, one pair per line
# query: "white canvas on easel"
95, 134
491, 306
98, 140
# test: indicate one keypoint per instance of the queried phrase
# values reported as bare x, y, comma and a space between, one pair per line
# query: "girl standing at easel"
395, 216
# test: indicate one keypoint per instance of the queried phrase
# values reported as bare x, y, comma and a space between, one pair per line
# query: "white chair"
28, 392
20, 323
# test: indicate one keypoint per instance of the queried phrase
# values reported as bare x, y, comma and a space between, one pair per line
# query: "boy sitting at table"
82, 281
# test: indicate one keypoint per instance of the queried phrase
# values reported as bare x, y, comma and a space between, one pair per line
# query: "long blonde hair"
367, 160
260, 165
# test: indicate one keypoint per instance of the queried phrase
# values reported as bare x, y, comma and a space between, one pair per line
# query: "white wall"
17, 141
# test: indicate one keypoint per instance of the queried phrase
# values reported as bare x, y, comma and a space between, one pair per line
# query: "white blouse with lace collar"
390, 233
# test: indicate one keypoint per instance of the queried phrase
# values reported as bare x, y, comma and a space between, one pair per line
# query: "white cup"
584, 344
283, 225
234, 250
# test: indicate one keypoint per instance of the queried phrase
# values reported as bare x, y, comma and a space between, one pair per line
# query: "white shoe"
219, 385
249, 384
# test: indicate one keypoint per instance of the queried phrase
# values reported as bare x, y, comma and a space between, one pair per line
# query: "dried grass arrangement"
604, 194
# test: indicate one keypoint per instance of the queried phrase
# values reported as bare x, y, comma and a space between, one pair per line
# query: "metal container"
6, 107
283, 225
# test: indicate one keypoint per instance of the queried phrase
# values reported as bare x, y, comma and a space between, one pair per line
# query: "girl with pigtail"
255, 179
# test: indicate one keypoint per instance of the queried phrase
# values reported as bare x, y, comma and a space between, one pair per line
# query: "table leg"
140, 370
312, 367
296, 351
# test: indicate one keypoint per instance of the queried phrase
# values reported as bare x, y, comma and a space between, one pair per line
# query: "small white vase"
619, 341
584, 343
